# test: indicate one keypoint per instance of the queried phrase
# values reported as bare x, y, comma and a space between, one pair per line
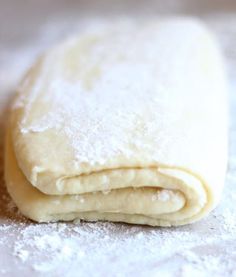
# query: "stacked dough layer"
123, 123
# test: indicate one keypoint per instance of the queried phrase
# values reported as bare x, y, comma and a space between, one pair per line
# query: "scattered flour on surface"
100, 249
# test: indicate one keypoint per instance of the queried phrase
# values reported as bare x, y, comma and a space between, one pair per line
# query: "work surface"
107, 249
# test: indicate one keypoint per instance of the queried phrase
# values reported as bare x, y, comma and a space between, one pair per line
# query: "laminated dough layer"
126, 122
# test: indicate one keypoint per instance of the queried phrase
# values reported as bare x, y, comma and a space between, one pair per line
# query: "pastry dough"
126, 122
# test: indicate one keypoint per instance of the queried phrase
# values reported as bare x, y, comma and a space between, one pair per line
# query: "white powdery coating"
22, 254
105, 249
104, 116
44, 242
78, 198
164, 195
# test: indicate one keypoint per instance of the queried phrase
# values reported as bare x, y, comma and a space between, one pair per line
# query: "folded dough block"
126, 122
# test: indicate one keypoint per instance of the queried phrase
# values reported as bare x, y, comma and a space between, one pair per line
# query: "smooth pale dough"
126, 122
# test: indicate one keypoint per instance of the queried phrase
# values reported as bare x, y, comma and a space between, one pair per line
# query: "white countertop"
106, 249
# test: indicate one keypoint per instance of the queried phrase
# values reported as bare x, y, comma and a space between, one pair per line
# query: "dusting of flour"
106, 249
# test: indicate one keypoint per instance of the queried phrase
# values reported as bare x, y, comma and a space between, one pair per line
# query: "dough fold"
126, 123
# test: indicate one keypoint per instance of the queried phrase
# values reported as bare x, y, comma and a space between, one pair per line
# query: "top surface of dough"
123, 96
